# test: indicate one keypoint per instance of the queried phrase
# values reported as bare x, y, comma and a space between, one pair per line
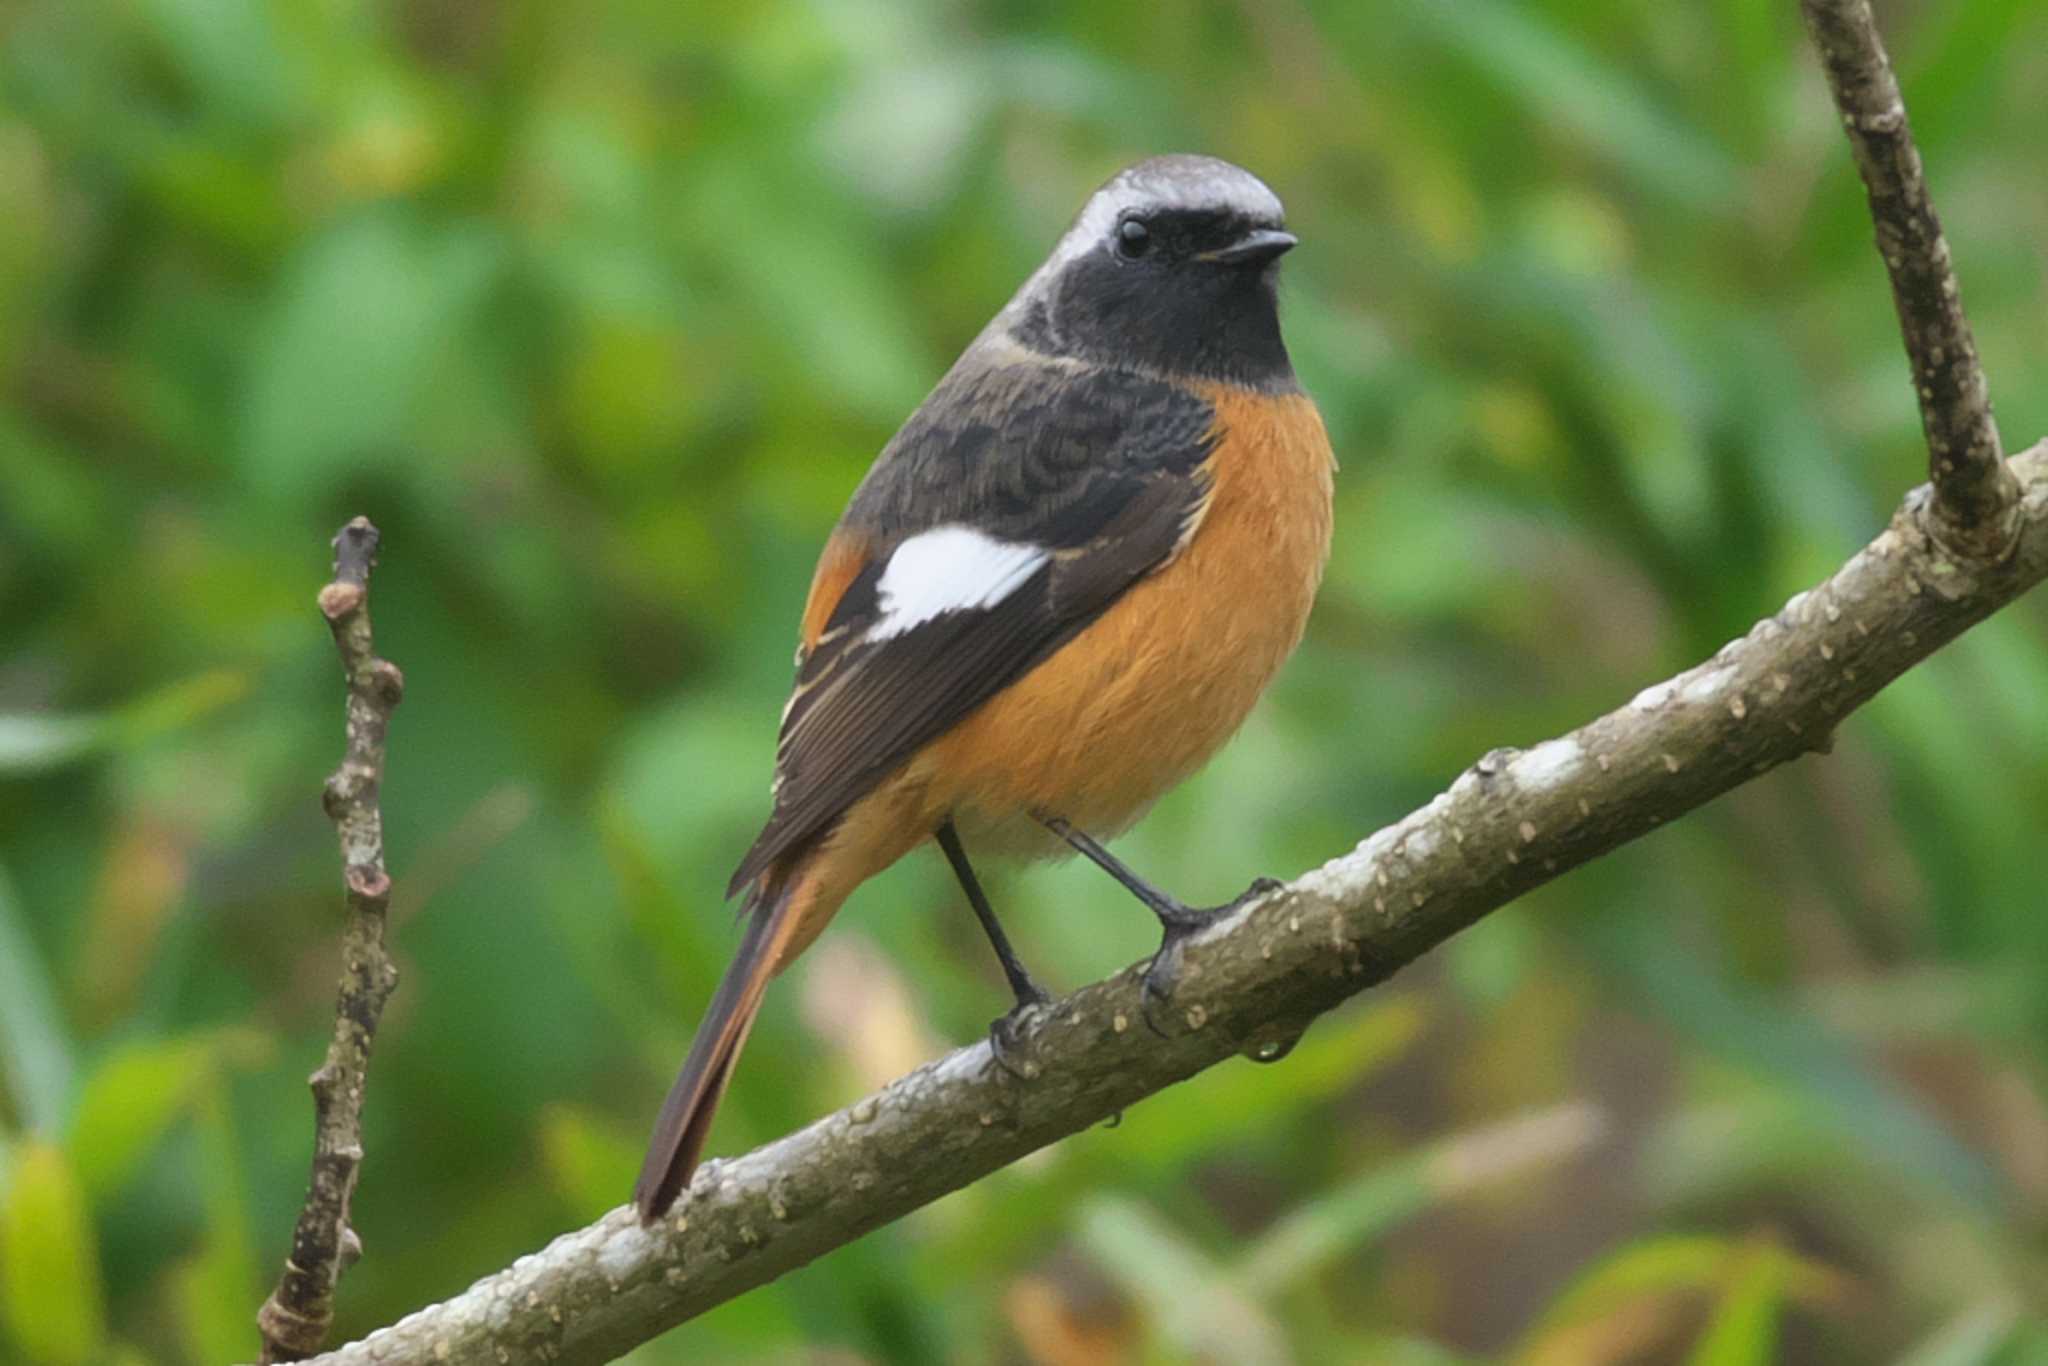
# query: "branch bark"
1956, 551
1975, 495
295, 1319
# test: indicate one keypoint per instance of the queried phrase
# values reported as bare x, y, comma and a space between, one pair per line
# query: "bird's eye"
1133, 239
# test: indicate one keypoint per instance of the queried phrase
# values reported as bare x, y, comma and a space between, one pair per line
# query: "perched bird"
1060, 588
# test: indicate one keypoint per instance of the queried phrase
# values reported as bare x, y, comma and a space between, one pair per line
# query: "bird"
1060, 587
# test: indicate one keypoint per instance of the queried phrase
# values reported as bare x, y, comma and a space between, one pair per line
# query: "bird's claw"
1006, 1033
1182, 924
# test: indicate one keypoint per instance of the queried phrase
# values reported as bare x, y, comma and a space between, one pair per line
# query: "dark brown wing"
1095, 479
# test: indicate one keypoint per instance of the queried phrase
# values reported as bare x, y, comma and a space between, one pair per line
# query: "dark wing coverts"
1106, 471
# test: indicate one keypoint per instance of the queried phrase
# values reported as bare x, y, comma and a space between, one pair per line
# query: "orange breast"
1103, 727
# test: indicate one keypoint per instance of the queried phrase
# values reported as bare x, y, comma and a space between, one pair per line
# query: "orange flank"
845, 555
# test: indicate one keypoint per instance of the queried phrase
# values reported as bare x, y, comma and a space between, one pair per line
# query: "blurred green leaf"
1600, 103
591, 1162
1242, 1101
1648, 1266
1189, 1299
1744, 1328
32, 743
1408, 1351
1357, 1212
1841, 1088
216, 1287
1974, 1338
50, 1296
177, 706
45, 498
1691, 1265
35, 1051
354, 340
127, 1104
1949, 60
226, 51
841, 322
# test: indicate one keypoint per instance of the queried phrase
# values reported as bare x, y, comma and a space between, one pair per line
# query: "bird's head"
1170, 267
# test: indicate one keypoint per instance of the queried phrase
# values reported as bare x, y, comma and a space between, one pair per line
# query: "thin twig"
1975, 495
295, 1319
1513, 821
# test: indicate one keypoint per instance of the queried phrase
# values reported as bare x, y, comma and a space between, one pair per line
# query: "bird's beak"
1255, 248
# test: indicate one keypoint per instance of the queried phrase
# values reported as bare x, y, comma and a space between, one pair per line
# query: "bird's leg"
1002, 1032
1178, 919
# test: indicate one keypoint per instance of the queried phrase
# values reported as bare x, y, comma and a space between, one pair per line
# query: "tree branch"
1975, 495
295, 1319
1514, 820
1955, 552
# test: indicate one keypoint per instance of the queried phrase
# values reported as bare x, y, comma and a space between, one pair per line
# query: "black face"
1179, 291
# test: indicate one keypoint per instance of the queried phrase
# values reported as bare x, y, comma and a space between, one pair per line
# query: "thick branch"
295, 1319
1514, 820
1974, 493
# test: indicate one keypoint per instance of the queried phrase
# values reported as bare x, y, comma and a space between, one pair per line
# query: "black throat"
1183, 320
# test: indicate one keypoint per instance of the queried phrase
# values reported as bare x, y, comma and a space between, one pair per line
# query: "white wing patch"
949, 569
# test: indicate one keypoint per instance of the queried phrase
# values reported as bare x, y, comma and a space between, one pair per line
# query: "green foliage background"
600, 311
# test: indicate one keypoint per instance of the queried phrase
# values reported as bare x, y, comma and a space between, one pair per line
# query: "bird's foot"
1006, 1044
1181, 924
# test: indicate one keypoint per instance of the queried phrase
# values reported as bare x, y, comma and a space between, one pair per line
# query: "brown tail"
685, 1120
